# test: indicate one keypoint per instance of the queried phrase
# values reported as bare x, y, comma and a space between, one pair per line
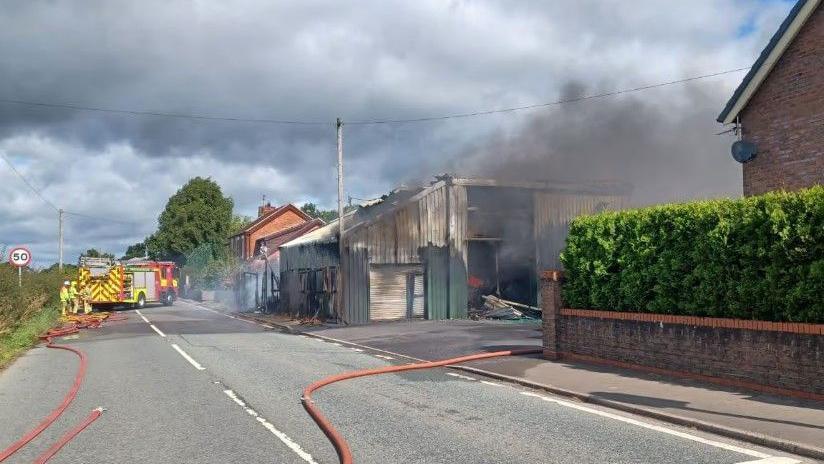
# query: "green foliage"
26, 334
138, 250
758, 258
197, 214
239, 223
326, 215
209, 268
40, 290
93, 253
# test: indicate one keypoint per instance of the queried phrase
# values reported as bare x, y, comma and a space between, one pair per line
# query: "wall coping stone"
717, 322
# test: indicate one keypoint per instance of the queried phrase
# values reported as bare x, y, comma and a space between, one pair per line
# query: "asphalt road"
230, 392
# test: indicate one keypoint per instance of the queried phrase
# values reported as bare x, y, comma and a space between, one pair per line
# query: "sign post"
19, 257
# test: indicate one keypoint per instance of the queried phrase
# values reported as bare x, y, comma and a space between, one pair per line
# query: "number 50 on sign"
19, 257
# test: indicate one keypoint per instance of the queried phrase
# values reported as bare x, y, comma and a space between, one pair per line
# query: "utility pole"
60, 239
339, 294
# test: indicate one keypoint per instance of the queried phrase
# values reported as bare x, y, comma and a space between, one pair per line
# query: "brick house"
779, 106
271, 220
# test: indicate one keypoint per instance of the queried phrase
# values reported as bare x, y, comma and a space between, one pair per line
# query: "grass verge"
26, 335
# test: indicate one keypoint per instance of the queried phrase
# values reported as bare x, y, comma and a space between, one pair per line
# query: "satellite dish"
743, 151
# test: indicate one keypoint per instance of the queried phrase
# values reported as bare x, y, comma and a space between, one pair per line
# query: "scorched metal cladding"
431, 251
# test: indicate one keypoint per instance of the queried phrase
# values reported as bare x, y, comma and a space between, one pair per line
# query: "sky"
313, 61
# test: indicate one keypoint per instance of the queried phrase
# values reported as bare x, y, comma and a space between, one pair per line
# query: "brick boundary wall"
780, 358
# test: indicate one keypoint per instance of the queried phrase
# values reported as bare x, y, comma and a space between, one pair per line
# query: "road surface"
187, 384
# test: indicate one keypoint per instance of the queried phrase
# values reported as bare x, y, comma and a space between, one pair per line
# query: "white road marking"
383, 356
333, 343
773, 460
188, 358
137, 311
157, 330
465, 377
282, 436
357, 349
268, 326
657, 428
487, 382
228, 315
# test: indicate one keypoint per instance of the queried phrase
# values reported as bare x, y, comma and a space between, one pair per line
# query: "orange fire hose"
340, 444
77, 322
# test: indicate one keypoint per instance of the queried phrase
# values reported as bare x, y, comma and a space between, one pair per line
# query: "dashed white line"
271, 428
333, 343
357, 349
493, 384
157, 330
658, 428
267, 326
188, 358
383, 356
465, 377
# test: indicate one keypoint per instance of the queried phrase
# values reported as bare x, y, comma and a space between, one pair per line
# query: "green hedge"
755, 258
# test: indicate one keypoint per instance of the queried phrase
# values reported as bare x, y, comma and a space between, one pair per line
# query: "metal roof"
768, 57
368, 213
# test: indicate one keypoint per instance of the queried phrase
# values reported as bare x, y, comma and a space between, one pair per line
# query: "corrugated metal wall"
458, 249
356, 275
553, 213
431, 230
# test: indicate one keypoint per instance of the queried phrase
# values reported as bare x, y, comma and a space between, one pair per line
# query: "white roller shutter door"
389, 291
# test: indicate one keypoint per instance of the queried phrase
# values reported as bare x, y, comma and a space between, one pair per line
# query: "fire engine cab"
134, 282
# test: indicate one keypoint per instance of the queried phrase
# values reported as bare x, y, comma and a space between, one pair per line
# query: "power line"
161, 114
46, 200
99, 218
543, 105
29, 184
365, 121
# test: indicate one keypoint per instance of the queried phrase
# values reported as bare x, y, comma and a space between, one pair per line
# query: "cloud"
319, 60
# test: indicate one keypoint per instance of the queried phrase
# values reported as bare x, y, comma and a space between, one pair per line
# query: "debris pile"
497, 308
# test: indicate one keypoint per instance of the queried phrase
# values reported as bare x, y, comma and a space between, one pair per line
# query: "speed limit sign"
20, 256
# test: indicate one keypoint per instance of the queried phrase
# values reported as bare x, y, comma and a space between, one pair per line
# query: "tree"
93, 253
327, 215
196, 214
239, 223
138, 250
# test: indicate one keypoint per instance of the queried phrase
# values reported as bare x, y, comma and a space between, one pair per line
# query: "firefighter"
86, 299
73, 296
65, 300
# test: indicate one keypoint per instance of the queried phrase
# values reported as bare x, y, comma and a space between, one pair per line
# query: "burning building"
430, 252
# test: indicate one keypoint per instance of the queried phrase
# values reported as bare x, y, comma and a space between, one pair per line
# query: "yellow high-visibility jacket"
64, 294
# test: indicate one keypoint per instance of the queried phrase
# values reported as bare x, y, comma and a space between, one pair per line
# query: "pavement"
190, 384
797, 425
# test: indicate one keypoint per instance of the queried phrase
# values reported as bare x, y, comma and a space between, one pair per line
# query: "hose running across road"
76, 322
340, 444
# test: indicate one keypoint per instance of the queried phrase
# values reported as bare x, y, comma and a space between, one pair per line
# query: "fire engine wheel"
168, 299
141, 301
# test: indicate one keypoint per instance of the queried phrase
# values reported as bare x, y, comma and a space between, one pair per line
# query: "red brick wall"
282, 221
774, 357
785, 117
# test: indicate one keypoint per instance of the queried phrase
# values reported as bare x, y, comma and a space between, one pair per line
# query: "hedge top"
753, 258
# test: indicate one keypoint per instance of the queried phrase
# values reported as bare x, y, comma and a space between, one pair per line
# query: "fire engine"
134, 282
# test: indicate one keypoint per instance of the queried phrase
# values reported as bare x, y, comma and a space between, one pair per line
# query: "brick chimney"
266, 209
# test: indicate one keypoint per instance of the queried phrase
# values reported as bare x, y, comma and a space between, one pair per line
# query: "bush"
756, 258
40, 290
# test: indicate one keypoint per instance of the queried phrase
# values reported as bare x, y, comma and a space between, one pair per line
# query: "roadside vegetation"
759, 258
27, 311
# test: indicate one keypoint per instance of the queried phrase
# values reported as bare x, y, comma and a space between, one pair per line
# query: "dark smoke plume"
664, 144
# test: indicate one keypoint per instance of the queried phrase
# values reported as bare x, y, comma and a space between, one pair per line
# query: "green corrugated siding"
458, 293
436, 278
